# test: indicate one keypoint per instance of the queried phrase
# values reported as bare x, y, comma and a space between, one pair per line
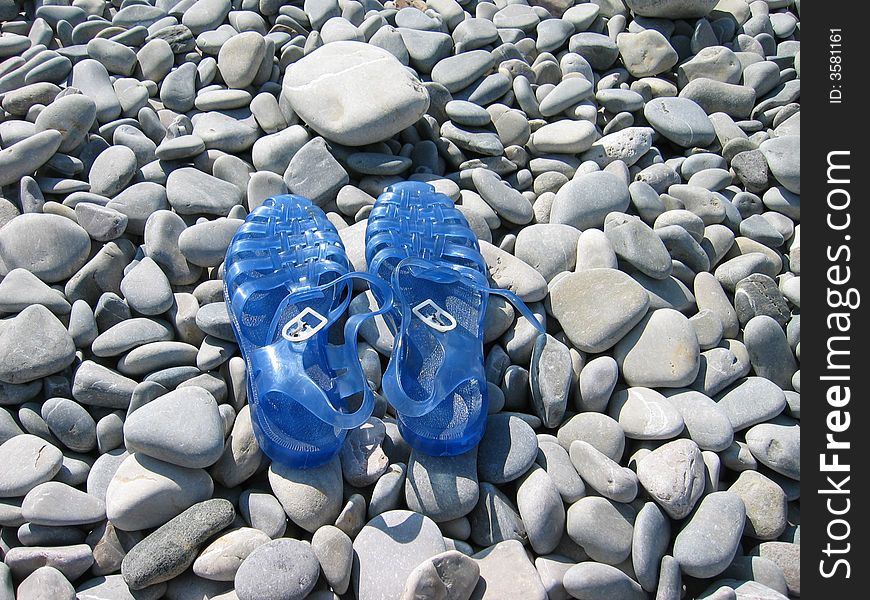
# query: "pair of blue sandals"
287, 282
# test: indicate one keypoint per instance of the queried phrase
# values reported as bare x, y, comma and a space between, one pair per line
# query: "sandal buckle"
300, 327
434, 316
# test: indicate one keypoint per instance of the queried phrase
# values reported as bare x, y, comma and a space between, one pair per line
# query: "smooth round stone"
363, 459
647, 53
715, 96
603, 474
311, 84
757, 295
423, 48
96, 385
46, 582
334, 551
442, 488
222, 100
72, 115
21, 288
786, 556
24, 157
548, 248
597, 580
114, 587
240, 57
783, 201
25, 462
598, 307
602, 528
467, 113
783, 157
597, 429
509, 272
551, 378
129, 334
261, 568
551, 569
171, 549
400, 538
586, 200
777, 446
449, 574
564, 137
645, 414
506, 201
619, 100
661, 351
274, 152
191, 191
596, 383
161, 428
671, 9
92, 79
681, 121
713, 62
473, 33
565, 95
205, 244
388, 490
146, 288
372, 163
102, 224
178, 90
70, 423
49, 246
769, 351
231, 131
155, 60
507, 450
650, 540
707, 423
145, 492
138, 202
636, 243
315, 157
310, 497
707, 544
262, 511
507, 572
674, 476
541, 509
766, 505
757, 228
459, 71
552, 33
241, 456
56, 504
495, 518
556, 462
34, 344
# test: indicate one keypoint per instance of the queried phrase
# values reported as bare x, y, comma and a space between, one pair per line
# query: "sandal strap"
288, 353
463, 349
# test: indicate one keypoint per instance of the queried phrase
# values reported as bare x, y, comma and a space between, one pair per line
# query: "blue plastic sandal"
287, 281
422, 245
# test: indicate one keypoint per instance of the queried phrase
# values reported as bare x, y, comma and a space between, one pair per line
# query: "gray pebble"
720, 517
603, 474
170, 549
507, 450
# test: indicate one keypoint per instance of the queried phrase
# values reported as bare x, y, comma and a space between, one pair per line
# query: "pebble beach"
631, 169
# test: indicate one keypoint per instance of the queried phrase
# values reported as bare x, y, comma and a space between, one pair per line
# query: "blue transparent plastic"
418, 242
287, 281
